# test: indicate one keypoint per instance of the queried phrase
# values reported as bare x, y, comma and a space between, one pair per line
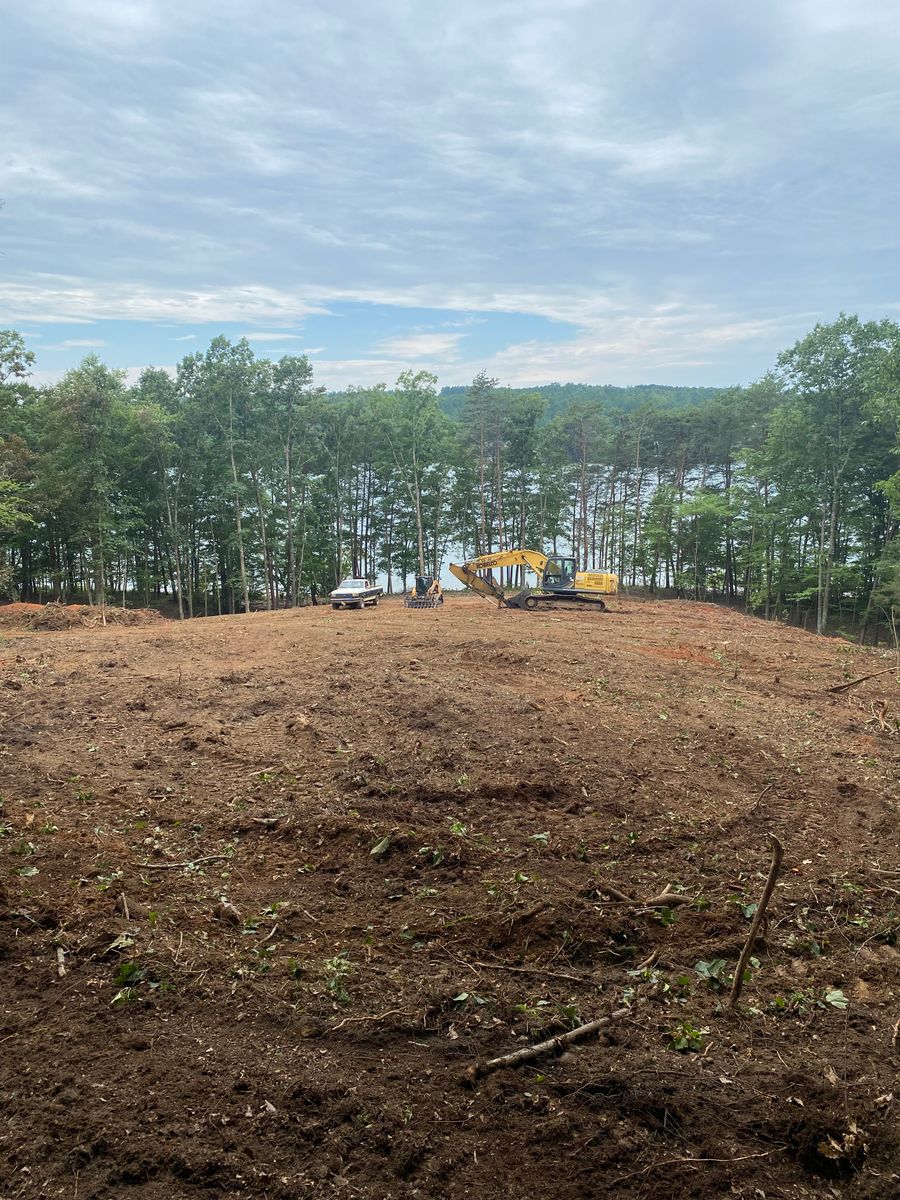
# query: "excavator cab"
559, 572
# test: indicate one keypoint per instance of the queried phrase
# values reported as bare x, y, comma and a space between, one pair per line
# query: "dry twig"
738, 982
174, 866
840, 687
550, 1046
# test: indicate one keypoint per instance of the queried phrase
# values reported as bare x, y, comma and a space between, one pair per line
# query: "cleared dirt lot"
300, 870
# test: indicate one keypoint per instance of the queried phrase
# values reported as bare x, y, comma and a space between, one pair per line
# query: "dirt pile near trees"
70, 616
274, 882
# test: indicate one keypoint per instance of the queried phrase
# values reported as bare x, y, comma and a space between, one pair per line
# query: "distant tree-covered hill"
560, 395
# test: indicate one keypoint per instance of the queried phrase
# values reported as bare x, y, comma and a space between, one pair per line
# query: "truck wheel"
335, 607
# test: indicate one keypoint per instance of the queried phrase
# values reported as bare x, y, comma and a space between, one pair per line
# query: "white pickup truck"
355, 593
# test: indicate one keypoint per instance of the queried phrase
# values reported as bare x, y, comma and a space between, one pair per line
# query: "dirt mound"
273, 882
72, 616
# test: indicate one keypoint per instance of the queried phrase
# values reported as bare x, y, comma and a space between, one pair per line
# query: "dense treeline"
240, 482
559, 396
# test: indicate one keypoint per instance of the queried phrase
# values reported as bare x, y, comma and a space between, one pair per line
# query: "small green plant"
713, 973
807, 945
748, 910
337, 971
84, 797
570, 1014
129, 977
469, 998
458, 829
683, 1036
542, 839
794, 1003
797, 1003
665, 916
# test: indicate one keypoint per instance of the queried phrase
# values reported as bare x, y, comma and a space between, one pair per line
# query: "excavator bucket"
484, 587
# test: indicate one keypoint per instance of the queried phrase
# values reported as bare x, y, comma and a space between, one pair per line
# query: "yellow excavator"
559, 580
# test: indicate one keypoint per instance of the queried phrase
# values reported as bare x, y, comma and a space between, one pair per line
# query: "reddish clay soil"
271, 883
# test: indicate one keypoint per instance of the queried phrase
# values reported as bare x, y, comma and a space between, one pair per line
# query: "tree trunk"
237, 503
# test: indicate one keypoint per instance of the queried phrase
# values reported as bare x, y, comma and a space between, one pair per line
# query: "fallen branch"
392, 1012
174, 866
841, 687
671, 1162
528, 971
615, 894
738, 981
529, 912
665, 899
551, 1046
60, 961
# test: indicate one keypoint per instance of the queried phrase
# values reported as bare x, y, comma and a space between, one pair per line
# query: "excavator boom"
484, 587
467, 572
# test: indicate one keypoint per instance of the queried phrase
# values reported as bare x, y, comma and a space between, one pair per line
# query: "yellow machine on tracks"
559, 580
425, 593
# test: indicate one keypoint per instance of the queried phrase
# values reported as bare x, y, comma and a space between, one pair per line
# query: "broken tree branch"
551, 1046
738, 981
841, 687
665, 899
174, 866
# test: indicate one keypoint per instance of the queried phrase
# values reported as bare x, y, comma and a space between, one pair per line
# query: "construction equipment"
559, 580
425, 593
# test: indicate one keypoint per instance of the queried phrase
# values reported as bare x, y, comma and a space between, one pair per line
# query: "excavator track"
530, 600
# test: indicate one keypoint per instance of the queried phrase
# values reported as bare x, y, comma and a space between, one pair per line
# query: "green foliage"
240, 482
337, 971
684, 1036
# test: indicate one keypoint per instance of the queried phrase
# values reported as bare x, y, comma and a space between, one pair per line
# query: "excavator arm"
467, 572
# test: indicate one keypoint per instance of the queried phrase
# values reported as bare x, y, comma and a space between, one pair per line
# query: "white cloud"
270, 337
66, 300
76, 344
583, 163
415, 346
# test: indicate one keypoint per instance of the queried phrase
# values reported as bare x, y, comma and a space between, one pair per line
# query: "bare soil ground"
271, 883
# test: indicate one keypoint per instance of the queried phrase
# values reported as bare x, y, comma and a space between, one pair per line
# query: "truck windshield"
354, 583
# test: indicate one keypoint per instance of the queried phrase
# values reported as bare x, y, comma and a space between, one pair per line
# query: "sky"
549, 190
